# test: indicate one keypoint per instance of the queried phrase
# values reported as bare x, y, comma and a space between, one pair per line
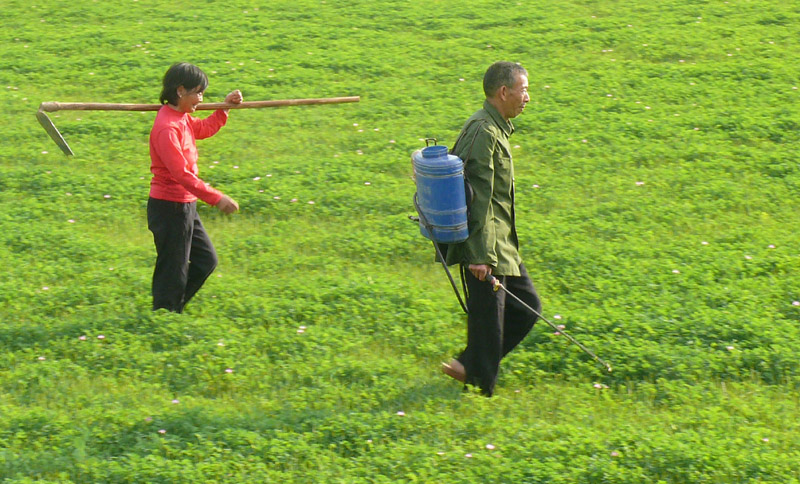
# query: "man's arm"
480, 247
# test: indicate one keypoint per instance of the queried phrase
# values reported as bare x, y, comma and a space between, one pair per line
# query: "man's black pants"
186, 256
495, 325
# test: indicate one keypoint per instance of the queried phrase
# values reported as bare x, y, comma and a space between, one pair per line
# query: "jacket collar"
506, 126
171, 112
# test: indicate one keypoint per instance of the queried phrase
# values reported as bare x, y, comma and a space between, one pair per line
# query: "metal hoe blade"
51, 129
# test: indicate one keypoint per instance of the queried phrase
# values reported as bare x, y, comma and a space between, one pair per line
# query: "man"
495, 324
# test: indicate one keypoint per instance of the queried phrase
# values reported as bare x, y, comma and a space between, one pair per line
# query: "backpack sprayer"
441, 202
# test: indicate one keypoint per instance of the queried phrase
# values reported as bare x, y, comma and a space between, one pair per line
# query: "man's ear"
181, 91
502, 92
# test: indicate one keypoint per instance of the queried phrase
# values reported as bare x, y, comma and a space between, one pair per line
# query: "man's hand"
480, 271
227, 205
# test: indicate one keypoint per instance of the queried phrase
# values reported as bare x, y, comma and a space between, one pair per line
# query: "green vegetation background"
657, 187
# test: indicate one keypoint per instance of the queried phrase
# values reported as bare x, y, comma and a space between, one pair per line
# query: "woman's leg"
202, 259
172, 233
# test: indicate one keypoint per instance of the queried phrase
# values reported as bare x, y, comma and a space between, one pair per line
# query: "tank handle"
430, 139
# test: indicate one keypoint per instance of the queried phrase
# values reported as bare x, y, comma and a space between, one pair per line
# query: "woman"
186, 256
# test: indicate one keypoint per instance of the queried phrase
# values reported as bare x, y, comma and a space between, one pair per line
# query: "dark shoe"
455, 370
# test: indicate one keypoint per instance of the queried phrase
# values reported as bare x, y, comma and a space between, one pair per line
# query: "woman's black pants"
185, 255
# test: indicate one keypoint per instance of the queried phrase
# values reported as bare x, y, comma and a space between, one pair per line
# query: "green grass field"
657, 199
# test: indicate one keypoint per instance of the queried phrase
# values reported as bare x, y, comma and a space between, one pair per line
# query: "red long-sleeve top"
173, 155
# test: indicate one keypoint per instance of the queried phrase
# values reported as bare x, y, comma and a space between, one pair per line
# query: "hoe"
49, 107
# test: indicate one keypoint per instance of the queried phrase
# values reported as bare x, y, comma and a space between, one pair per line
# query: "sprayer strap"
469, 153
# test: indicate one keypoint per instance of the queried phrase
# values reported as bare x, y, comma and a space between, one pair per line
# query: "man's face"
517, 97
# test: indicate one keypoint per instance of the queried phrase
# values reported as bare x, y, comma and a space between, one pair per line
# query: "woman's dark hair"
182, 74
499, 74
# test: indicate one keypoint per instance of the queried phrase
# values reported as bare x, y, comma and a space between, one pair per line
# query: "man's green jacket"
483, 144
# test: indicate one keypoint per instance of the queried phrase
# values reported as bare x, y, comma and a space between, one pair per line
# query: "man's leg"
481, 358
518, 319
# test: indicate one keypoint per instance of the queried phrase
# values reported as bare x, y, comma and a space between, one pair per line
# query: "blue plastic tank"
440, 194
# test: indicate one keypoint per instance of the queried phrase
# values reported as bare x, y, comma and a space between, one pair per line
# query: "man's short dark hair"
182, 74
499, 74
